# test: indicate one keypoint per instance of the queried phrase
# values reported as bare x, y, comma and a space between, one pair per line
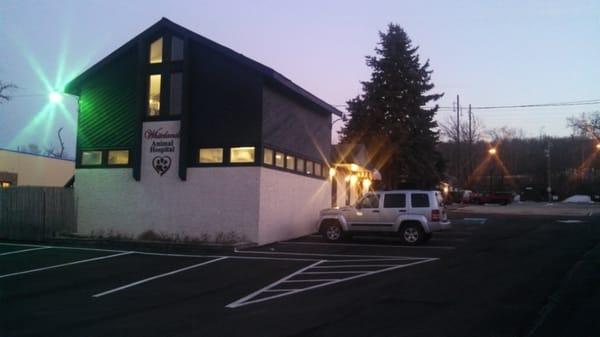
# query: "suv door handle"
375, 211
401, 211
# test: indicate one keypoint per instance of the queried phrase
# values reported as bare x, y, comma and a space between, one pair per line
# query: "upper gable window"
156, 51
176, 49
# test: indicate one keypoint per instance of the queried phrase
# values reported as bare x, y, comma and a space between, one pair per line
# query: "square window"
175, 94
211, 155
5, 184
279, 159
242, 154
154, 95
309, 167
300, 165
118, 157
176, 49
268, 156
289, 162
90, 158
156, 51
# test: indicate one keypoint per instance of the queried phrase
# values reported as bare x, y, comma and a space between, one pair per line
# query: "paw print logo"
161, 164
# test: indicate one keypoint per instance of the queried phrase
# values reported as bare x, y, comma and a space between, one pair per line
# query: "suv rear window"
419, 200
394, 200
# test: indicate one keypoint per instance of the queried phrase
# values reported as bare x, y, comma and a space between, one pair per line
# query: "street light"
55, 97
598, 146
344, 119
492, 151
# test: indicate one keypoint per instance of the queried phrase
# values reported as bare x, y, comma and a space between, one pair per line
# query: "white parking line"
64, 264
362, 245
157, 277
19, 244
23, 251
167, 254
249, 299
392, 257
356, 265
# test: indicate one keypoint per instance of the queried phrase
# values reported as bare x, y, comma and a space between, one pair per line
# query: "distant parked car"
412, 214
502, 198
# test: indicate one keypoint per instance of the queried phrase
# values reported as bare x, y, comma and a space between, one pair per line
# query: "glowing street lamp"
598, 146
55, 97
492, 151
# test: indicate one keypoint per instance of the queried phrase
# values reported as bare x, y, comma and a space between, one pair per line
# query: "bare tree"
4, 88
505, 133
449, 130
586, 125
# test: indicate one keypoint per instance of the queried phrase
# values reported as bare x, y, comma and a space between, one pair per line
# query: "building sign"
160, 150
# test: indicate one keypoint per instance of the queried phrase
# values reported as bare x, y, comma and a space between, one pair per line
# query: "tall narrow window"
289, 162
156, 51
175, 94
309, 167
300, 165
268, 156
176, 49
317, 169
279, 161
154, 95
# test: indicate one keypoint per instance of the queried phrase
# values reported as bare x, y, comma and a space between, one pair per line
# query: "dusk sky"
491, 53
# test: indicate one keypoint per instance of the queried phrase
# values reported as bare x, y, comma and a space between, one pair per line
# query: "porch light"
366, 184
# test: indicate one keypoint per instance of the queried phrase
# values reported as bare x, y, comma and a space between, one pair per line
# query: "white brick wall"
259, 204
211, 201
290, 204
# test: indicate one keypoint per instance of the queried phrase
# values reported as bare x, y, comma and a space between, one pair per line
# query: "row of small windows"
237, 155
292, 163
96, 158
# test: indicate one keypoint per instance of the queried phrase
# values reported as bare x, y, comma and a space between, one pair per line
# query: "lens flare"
55, 97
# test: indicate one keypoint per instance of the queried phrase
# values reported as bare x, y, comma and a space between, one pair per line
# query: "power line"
516, 106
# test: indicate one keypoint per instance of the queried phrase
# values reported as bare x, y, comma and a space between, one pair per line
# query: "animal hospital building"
180, 135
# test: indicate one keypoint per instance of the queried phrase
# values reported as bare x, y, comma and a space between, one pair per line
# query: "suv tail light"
435, 215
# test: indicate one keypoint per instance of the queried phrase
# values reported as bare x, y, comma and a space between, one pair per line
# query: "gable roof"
73, 86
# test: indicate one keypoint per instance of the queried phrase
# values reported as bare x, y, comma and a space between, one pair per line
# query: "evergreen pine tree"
390, 117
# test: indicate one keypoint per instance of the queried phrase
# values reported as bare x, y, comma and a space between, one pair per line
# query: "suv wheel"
411, 233
332, 232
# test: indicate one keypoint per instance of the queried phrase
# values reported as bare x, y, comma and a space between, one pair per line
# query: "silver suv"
412, 214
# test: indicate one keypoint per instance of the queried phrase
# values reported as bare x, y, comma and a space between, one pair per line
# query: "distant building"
25, 169
180, 135
351, 175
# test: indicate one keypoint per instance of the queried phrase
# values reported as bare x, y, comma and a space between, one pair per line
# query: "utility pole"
458, 139
549, 188
470, 143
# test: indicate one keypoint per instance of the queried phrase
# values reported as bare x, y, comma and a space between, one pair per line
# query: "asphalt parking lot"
488, 276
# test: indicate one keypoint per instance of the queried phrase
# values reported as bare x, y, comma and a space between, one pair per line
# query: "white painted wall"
258, 204
213, 200
289, 204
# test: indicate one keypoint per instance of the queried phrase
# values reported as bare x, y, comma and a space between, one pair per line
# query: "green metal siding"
107, 106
